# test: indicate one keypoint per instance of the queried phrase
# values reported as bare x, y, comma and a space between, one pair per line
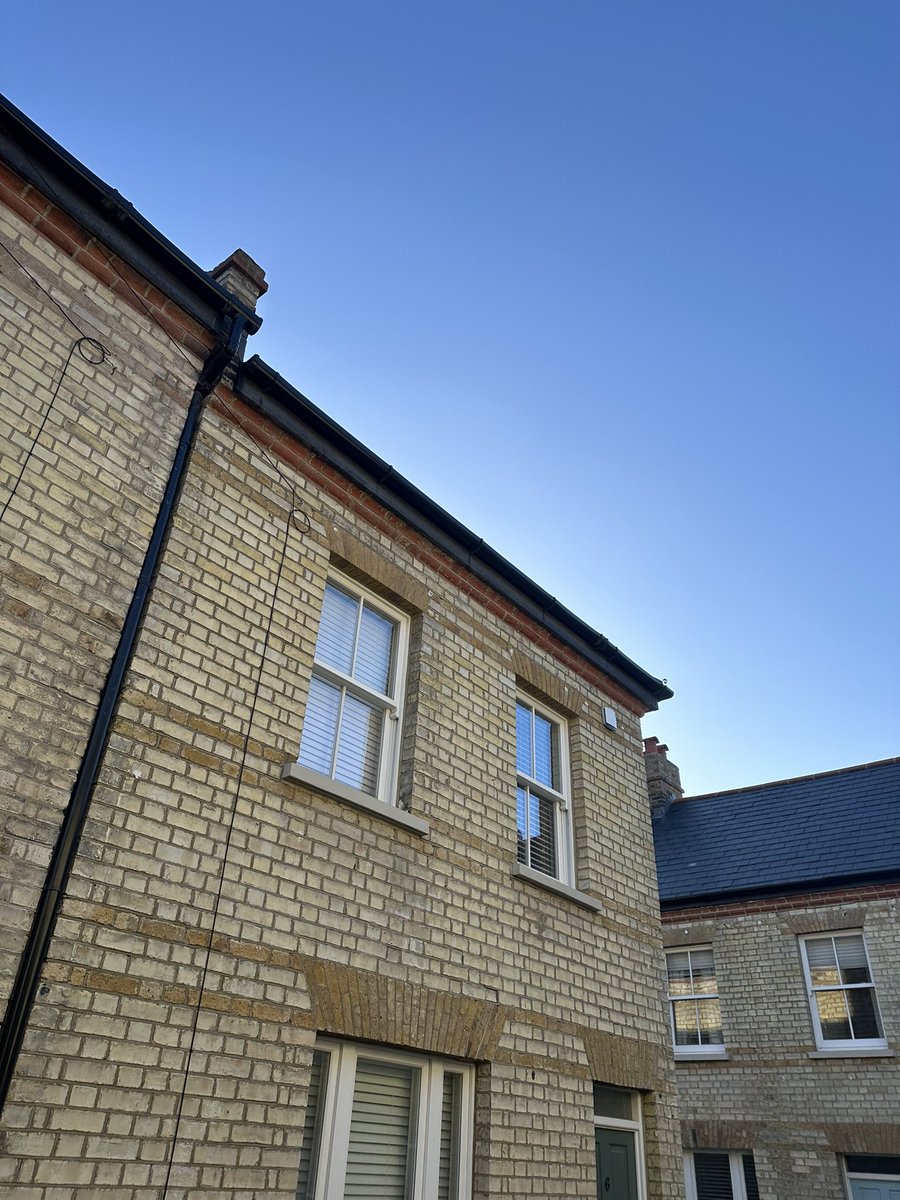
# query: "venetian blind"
448, 1170
750, 1176
713, 1175
309, 1147
378, 1155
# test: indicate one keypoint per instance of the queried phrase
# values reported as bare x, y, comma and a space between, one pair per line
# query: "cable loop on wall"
92, 352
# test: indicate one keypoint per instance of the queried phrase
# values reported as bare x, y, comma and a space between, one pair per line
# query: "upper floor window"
382, 1123
841, 992
694, 1002
542, 792
351, 731
720, 1175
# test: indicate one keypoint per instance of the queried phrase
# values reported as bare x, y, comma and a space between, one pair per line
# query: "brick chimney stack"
241, 276
663, 778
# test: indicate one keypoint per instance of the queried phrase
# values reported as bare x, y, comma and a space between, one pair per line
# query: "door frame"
635, 1126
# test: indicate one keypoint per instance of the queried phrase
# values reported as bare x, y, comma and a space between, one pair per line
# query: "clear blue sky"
616, 284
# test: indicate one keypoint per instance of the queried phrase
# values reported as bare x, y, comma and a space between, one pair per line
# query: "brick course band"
865, 892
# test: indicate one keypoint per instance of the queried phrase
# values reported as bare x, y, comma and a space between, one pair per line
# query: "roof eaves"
105, 214
266, 390
781, 888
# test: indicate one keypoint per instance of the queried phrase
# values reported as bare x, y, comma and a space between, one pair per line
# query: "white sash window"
841, 992
543, 817
351, 732
694, 1011
394, 1125
720, 1175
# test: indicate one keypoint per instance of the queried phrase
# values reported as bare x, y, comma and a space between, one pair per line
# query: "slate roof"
797, 834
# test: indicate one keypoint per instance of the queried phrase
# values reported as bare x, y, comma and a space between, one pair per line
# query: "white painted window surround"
841, 990
386, 1123
543, 788
720, 1175
694, 1013
354, 712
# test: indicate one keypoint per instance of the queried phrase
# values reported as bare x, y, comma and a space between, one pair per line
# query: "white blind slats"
380, 1129
391, 1127
536, 827
449, 1144
343, 731
373, 655
524, 755
546, 768
337, 629
311, 1126
703, 972
320, 726
359, 745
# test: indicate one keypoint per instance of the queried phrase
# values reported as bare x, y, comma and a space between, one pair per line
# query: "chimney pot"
242, 276
663, 777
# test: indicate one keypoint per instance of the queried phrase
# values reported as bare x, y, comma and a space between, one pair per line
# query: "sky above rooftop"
618, 285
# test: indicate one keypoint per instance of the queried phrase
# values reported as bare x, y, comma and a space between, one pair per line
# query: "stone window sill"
349, 795
715, 1056
868, 1052
539, 879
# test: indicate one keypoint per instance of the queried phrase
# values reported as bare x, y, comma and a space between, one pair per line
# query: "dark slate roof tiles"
835, 826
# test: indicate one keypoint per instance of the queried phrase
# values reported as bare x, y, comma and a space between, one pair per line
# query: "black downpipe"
34, 956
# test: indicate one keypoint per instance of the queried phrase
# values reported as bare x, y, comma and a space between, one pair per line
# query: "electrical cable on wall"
295, 518
41, 288
289, 489
292, 520
92, 352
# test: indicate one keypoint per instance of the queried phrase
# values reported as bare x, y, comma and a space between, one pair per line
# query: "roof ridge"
760, 787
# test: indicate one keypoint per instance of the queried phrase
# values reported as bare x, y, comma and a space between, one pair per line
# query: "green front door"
616, 1165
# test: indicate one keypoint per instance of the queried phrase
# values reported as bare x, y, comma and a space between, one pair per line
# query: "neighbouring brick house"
326, 854
780, 920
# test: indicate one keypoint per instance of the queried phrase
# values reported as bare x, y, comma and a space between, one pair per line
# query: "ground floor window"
618, 1143
720, 1175
873, 1176
385, 1123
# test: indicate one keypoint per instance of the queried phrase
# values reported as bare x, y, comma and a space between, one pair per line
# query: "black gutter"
34, 957
107, 215
797, 887
265, 390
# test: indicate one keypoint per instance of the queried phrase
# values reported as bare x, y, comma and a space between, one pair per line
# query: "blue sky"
616, 284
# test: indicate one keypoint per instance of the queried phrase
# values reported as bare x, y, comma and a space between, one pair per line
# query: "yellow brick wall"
72, 536
327, 919
799, 1114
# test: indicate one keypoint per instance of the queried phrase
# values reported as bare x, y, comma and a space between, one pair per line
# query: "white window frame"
863, 1177
635, 1126
735, 1166
712, 1049
334, 1137
391, 705
840, 1044
561, 800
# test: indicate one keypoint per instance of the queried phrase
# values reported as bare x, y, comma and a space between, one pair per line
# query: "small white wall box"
609, 718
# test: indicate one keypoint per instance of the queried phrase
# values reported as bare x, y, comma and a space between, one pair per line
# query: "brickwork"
797, 1113
73, 535
220, 916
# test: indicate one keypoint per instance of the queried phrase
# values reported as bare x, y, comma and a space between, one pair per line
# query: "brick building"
324, 835
780, 920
